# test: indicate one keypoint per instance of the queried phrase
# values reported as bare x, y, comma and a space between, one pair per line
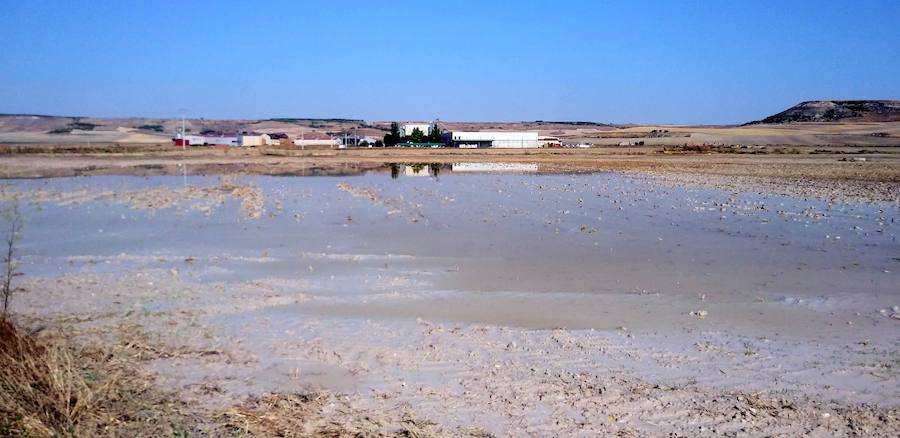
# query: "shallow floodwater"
693, 280
520, 249
444, 288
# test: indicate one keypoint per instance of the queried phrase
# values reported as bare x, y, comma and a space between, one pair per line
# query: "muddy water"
606, 252
511, 238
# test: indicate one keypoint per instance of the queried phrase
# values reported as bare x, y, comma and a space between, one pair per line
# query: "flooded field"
494, 297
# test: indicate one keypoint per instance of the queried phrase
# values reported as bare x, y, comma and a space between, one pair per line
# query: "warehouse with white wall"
497, 139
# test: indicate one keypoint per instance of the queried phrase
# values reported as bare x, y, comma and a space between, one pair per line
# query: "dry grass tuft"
320, 415
51, 388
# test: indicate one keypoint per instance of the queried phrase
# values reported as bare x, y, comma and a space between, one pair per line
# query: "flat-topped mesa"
838, 111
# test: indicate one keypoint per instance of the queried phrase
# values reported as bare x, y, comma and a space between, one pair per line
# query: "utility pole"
183, 112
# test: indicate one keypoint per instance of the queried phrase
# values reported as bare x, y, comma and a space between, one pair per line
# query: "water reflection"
434, 170
495, 167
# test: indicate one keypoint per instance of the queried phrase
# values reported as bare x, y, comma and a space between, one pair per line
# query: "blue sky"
607, 61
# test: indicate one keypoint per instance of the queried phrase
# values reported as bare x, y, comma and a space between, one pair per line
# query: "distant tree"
435, 136
392, 138
417, 136
157, 128
379, 144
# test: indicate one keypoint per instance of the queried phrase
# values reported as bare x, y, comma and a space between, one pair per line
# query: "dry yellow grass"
49, 387
303, 415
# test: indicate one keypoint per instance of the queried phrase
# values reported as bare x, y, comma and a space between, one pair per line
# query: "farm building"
550, 142
367, 141
221, 139
188, 140
277, 139
206, 139
316, 140
497, 139
250, 139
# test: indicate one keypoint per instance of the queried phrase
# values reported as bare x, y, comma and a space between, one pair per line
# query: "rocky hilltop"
838, 111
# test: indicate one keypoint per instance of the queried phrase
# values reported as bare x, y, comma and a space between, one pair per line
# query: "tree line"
394, 137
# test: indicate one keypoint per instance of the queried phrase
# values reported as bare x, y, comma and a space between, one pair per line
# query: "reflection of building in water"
495, 167
417, 170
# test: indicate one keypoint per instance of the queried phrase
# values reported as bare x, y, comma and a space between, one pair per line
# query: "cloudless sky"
606, 61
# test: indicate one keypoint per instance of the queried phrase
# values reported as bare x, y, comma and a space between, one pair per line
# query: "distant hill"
37, 128
838, 111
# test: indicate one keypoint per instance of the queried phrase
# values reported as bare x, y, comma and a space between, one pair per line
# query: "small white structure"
251, 139
550, 142
276, 139
408, 128
496, 139
316, 139
368, 140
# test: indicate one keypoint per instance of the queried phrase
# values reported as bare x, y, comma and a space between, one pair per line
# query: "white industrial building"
496, 139
408, 129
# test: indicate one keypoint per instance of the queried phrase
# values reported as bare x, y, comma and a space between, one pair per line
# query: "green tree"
436, 134
417, 136
392, 138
